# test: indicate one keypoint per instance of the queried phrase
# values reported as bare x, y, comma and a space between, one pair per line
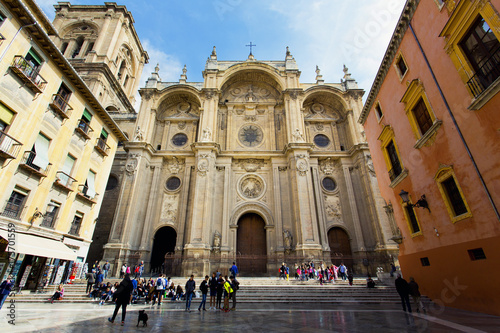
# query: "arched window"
122, 69
64, 47
125, 82
78, 47
89, 48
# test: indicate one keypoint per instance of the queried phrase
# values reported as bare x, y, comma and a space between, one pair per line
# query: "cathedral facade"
250, 165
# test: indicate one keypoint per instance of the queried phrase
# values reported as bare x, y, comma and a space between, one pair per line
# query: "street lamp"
421, 203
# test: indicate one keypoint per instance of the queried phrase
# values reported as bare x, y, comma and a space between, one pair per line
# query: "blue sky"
327, 33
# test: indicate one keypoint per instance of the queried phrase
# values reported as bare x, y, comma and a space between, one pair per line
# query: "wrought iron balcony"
82, 194
84, 129
13, 210
9, 147
486, 75
102, 147
28, 74
28, 165
64, 181
60, 106
75, 229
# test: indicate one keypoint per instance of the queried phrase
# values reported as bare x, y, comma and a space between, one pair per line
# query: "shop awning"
39, 246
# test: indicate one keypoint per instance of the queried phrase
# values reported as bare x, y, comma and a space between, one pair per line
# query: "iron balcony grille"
75, 228
60, 105
394, 173
83, 192
65, 180
84, 128
102, 147
9, 147
486, 75
28, 73
27, 163
13, 210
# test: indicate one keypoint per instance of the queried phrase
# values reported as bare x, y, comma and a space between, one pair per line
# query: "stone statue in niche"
139, 135
287, 241
207, 135
297, 136
217, 242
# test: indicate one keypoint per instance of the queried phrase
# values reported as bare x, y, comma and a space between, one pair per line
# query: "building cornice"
390, 53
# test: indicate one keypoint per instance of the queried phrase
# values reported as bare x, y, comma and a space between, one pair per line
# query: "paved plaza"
247, 318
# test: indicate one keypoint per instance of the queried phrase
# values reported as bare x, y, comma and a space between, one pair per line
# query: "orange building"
433, 124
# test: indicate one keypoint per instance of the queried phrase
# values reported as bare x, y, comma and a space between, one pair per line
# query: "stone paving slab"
258, 318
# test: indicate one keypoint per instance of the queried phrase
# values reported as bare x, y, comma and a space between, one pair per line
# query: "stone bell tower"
102, 45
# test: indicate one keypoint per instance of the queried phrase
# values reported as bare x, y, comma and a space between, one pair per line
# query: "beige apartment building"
57, 144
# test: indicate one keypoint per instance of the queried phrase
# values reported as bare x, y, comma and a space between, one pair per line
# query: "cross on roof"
251, 47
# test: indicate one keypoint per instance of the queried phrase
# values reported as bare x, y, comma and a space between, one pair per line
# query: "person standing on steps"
160, 288
234, 270
235, 285
403, 290
122, 297
213, 291
204, 291
105, 269
227, 294
415, 294
220, 288
190, 288
90, 282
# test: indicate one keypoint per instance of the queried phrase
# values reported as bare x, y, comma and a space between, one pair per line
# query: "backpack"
236, 285
159, 282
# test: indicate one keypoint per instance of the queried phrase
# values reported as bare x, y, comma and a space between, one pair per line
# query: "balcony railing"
82, 193
84, 129
27, 164
28, 73
102, 147
75, 229
9, 147
64, 180
13, 210
60, 106
486, 75
394, 173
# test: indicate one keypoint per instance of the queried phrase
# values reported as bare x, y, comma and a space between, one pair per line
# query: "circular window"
112, 183
321, 140
329, 184
173, 183
179, 139
250, 135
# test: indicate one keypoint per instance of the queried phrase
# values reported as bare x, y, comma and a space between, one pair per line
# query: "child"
350, 278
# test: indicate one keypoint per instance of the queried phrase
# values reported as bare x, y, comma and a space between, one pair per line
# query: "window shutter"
104, 134
87, 115
6, 114
42, 152
35, 56
91, 184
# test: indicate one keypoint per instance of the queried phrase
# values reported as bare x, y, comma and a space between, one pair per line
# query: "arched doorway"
251, 245
164, 243
340, 247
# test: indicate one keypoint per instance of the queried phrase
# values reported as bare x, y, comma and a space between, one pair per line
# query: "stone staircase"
260, 290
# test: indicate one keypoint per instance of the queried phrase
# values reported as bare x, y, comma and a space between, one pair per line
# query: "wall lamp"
50, 208
421, 203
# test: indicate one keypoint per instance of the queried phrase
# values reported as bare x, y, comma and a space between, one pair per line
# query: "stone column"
225, 245
278, 219
183, 202
102, 36
320, 207
354, 210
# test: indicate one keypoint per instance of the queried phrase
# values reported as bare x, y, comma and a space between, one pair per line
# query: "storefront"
35, 261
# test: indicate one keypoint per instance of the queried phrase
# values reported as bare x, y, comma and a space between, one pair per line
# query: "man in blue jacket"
5, 289
234, 270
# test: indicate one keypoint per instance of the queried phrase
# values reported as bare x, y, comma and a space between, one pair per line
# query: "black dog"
143, 316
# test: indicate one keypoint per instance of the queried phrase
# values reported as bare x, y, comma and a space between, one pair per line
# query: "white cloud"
170, 66
332, 33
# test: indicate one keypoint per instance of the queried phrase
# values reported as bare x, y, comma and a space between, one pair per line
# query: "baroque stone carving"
251, 187
181, 125
327, 166
302, 164
369, 165
251, 118
251, 164
169, 208
132, 163
298, 136
139, 135
333, 209
282, 168
207, 135
287, 241
217, 242
203, 164
175, 165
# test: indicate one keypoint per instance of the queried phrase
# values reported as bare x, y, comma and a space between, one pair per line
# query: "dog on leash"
143, 316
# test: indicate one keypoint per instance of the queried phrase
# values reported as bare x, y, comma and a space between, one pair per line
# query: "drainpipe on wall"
12, 41
456, 125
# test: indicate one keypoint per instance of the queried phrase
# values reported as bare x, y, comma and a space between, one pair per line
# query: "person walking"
234, 269
393, 269
99, 277
213, 291
160, 288
5, 289
343, 271
235, 285
415, 294
90, 282
141, 269
105, 269
190, 288
122, 297
123, 271
204, 291
403, 290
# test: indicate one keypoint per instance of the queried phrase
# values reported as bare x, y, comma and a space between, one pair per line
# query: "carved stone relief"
132, 163
169, 208
175, 165
333, 209
251, 164
302, 164
251, 187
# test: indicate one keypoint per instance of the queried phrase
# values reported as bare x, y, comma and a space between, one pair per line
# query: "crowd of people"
323, 273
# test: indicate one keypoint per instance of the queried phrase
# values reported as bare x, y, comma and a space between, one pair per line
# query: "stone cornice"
390, 53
